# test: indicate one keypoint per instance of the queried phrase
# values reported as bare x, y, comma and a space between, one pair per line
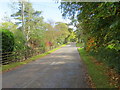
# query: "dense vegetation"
32, 35
7, 43
98, 27
7, 40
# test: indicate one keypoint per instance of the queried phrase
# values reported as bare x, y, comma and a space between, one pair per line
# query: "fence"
21, 55
18, 56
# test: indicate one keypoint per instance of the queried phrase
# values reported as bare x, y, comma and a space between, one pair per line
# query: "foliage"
81, 45
96, 71
72, 35
37, 33
110, 57
33, 24
62, 31
7, 40
8, 25
31, 34
98, 27
19, 40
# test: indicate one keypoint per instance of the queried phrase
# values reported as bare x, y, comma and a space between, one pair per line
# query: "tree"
98, 26
62, 31
93, 17
33, 23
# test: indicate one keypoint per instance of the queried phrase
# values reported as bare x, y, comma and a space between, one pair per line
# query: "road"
60, 69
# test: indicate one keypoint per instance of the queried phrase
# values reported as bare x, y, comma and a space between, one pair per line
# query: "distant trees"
31, 34
62, 32
37, 32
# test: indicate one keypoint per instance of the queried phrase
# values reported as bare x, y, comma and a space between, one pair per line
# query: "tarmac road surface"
60, 69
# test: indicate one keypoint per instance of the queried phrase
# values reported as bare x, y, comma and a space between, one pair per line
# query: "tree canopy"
98, 27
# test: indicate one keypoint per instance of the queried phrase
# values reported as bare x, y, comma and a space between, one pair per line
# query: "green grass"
16, 64
79, 44
96, 72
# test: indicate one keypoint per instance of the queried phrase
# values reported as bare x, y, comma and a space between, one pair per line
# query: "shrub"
109, 56
7, 42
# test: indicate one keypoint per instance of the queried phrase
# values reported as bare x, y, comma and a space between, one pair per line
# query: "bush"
109, 56
7, 40
19, 41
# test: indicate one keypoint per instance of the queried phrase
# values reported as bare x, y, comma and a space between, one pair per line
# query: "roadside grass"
79, 44
17, 64
96, 71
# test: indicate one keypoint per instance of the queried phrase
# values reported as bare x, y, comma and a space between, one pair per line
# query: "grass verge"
96, 71
79, 44
16, 64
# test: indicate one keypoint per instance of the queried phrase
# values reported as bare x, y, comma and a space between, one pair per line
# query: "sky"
49, 9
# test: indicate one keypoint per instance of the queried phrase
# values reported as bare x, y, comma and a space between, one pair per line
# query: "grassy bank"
16, 64
79, 44
96, 70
